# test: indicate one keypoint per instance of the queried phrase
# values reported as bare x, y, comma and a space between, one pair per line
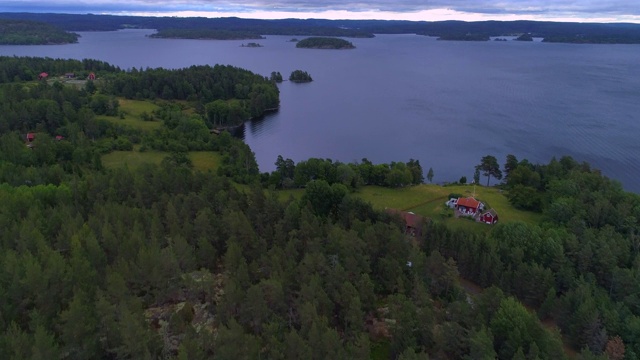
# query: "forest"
551, 31
24, 32
166, 261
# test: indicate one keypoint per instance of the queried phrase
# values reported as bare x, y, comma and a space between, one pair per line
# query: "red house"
59, 137
31, 137
413, 222
468, 206
490, 217
43, 76
92, 76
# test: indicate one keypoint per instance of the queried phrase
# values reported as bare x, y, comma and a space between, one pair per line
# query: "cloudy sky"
428, 10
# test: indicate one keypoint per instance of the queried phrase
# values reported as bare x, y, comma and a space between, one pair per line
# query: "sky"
417, 10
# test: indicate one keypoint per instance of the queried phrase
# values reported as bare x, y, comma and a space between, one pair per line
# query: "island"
299, 76
25, 32
294, 40
525, 37
276, 76
464, 37
324, 43
206, 34
252, 45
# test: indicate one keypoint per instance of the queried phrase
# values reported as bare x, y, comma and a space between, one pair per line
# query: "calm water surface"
397, 97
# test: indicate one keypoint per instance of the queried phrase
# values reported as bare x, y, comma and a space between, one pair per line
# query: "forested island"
614, 33
205, 34
300, 76
324, 43
24, 32
178, 258
464, 37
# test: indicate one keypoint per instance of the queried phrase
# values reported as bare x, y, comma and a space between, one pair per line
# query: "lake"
397, 97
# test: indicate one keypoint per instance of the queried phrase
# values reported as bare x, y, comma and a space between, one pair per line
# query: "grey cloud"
498, 7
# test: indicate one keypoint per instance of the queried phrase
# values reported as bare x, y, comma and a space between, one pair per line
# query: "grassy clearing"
132, 111
428, 200
202, 160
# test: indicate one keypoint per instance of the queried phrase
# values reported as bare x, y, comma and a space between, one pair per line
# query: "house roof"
468, 202
412, 220
491, 212
44, 74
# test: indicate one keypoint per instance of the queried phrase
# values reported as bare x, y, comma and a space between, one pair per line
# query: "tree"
512, 163
489, 167
430, 175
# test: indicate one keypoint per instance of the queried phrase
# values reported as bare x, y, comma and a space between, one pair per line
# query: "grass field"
133, 110
202, 160
428, 200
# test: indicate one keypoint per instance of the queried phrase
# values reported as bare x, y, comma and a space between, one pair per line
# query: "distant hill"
206, 34
25, 32
619, 33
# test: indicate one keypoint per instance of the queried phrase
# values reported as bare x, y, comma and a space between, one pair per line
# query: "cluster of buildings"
473, 208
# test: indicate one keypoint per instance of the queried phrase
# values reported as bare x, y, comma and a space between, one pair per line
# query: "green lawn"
428, 200
202, 160
132, 111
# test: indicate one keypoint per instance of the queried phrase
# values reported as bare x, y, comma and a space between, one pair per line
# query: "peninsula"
25, 32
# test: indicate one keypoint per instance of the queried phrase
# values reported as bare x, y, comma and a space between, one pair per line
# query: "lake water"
397, 97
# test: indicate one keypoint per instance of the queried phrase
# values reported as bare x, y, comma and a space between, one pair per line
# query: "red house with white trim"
469, 206
43, 76
490, 217
92, 76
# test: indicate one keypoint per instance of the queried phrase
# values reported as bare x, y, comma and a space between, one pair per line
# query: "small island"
525, 37
294, 40
276, 76
324, 43
299, 76
251, 45
206, 34
24, 32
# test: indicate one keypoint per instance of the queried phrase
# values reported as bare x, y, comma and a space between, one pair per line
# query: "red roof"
469, 202
43, 74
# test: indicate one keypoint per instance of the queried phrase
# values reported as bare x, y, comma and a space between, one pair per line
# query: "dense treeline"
23, 32
230, 94
622, 33
288, 174
210, 34
13, 69
324, 43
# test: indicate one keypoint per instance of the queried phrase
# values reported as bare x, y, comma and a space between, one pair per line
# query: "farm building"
489, 217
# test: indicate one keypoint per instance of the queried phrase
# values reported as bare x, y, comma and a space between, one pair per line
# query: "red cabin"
490, 217
31, 137
43, 76
92, 76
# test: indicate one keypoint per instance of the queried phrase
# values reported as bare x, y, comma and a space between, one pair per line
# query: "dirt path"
424, 203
